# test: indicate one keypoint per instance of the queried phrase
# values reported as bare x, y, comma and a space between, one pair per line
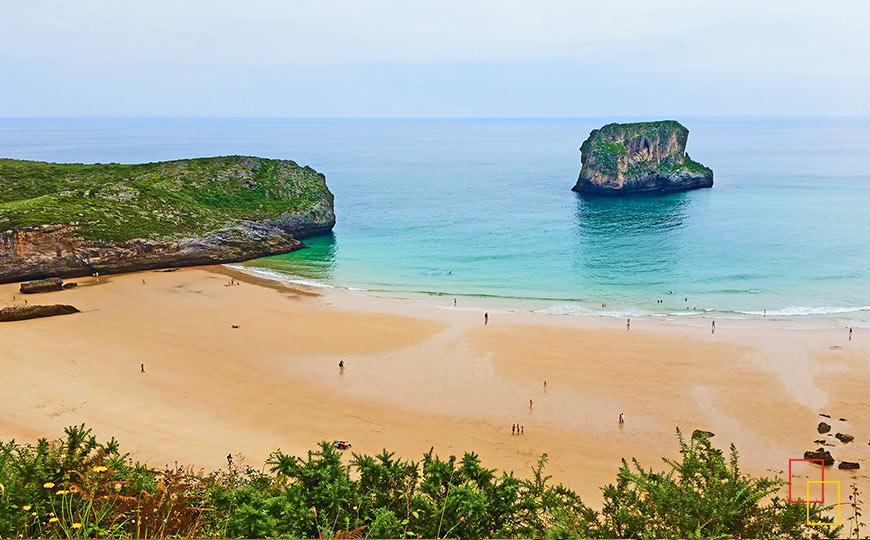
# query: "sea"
481, 210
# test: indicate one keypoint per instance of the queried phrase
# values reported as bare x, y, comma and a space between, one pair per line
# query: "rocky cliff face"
72, 220
639, 157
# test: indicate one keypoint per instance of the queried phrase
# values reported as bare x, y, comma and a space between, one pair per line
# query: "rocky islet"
639, 157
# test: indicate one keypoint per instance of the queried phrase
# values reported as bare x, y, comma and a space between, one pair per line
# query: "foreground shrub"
76, 487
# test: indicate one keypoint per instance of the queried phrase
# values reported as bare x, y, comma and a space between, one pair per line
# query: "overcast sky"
433, 58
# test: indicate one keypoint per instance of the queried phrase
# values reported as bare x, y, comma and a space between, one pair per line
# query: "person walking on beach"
713, 328
454, 302
628, 324
621, 418
341, 365
522, 430
229, 460
545, 386
142, 368
485, 319
850, 333
513, 429
530, 403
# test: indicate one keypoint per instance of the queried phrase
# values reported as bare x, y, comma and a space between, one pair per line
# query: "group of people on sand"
517, 429
231, 283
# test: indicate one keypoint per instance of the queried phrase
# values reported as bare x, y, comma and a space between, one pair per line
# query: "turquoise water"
482, 210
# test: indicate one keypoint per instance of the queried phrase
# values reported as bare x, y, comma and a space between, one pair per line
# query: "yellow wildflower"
62, 492
52, 520
76, 525
101, 469
48, 485
26, 507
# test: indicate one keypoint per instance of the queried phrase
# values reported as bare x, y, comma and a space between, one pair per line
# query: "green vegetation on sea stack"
639, 157
78, 488
158, 201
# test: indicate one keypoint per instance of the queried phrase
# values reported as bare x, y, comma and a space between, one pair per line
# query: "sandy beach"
417, 376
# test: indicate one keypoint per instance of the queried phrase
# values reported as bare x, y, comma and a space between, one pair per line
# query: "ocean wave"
574, 309
686, 313
801, 311
278, 276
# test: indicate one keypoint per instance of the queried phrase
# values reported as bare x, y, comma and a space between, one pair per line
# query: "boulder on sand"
848, 465
821, 454
824, 428
41, 285
844, 437
20, 313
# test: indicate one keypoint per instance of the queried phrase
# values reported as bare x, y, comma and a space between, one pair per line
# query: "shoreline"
417, 376
833, 319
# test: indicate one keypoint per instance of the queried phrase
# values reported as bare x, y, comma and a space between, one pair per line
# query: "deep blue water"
482, 210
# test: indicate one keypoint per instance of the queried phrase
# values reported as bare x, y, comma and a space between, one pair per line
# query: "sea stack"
640, 157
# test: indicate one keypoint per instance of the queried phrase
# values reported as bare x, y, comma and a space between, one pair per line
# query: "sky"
434, 58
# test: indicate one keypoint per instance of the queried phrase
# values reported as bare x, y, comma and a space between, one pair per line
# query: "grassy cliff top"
633, 129
163, 200
608, 144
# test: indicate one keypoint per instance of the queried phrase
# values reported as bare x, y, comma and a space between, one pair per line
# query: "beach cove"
483, 209
417, 376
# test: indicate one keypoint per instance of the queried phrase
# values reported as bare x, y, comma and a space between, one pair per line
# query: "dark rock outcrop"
639, 157
154, 215
845, 437
56, 250
20, 313
822, 454
42, 285
824, 428
849, 465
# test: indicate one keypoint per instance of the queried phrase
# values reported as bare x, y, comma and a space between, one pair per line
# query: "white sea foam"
801, 311
278, 276
576, 309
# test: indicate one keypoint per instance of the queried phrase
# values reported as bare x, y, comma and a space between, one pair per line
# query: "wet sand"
417, 376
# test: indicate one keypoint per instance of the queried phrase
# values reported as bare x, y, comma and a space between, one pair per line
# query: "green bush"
76, 487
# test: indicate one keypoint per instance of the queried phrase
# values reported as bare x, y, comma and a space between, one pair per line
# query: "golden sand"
416, 377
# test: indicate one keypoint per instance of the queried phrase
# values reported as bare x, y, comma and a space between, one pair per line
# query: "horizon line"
289, 117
